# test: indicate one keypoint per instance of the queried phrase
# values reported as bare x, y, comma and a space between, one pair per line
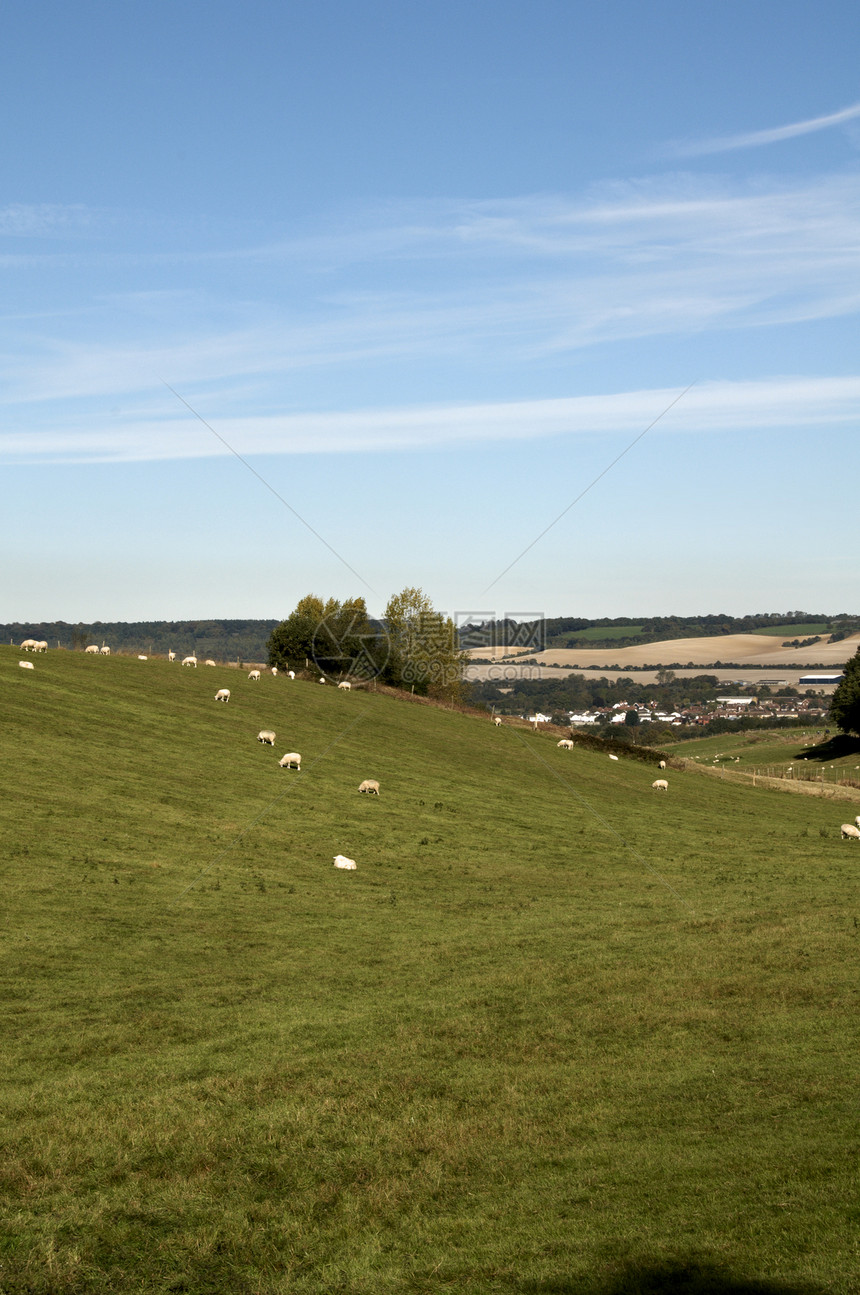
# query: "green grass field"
597, 632
557, 1033
774, 753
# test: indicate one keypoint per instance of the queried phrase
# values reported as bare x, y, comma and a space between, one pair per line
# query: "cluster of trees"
580, 692
412, 646
225, 640
845, 702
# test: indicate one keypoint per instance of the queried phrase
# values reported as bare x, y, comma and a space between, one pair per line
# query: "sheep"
322, 680
291, 673
370, 786
104, 651
143, 658
266, 736
208, 662
344, 685
660, 785
292, 758
26, 665
566, 744
613, 757
497, 719
171, 656
275, 671
255, 675
857, 820
223, 694
662, 764
190, 660
341, 861
849, 831
41, 646
29, 645
93, 648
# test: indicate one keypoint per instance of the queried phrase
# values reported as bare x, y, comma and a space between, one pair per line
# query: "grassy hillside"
557, 1033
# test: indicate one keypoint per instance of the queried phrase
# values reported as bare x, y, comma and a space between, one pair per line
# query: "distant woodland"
229, 640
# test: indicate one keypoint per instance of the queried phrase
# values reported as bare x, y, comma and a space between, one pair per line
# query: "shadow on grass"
843, 744
695, 1277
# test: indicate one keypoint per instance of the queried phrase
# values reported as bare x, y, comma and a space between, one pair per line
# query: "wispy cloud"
758, 138
507, 283
710, 407
40, 220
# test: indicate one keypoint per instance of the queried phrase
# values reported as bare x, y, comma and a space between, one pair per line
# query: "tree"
424, 652
632, 719
337, 637
845, 703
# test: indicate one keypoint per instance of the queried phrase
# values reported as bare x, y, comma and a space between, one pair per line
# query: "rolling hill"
556, 1033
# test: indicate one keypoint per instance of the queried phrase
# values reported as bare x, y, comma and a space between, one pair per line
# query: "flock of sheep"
293, 760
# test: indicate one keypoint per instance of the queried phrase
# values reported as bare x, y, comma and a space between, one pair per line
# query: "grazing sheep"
344, 685
613, 757
255, 675
41, 646
143, 658
104, 651
660, 785
322, 680
26, 665
849, 831
266, 736
293, 758
371, 786
190, 660
291, 673
662, 764
29, 645
171, 656
223, 694
497, 719
274, 670
566, 744
93, 647
208, 662
341, 861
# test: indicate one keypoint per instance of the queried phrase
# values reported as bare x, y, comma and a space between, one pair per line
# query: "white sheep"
613, 757
322, 680
29, 645
171, 656
266, 736
255, 675
275, 670
223, 694
208, 662
292, 758
143, 658
93, 648
662, 764
566, 744
345, 685
341, 861
41, 646
104, 651
291, 673
370, 786
26, 665
849, 831
497, 719
660, 785
190, 660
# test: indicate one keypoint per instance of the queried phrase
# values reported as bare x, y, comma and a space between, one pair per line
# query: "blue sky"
430, 270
